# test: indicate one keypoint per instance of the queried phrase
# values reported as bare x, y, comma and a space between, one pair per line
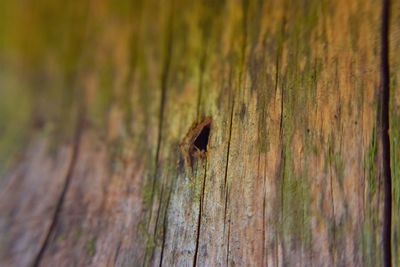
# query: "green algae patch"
295, 198
15, 117
90, 247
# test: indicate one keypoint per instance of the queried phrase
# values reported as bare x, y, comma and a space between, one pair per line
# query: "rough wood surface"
98, 100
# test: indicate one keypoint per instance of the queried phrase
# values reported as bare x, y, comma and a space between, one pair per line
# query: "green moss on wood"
15, 118
90, 247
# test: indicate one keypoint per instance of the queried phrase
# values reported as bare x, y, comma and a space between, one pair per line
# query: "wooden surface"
98, 102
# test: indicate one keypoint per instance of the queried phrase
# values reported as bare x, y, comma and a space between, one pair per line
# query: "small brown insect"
195, 143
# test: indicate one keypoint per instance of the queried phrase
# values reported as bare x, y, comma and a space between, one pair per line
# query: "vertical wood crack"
333, 205
383, 122
67, 181
200, 213
163, 88
229, 147
165, 223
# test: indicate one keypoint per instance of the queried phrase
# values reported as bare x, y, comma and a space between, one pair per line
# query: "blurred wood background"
98, 100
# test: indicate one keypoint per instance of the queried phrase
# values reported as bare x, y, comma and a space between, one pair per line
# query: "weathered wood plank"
28, 202
291, 175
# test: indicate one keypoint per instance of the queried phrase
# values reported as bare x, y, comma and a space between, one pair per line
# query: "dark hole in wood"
201, 140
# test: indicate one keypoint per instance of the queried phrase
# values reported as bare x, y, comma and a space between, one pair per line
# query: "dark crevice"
277, 66
163, 238
279, 53
383, 122
200, 214
60, 201
195, 144
159, 210
263, 176
229, 145
265, 249
227, 161
281, 121
201, 142
227, 248
282, 202
164, 85
165, 223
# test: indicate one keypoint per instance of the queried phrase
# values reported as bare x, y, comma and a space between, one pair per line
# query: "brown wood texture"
99, 102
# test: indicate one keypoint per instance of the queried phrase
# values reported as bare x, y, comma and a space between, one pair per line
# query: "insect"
195, 143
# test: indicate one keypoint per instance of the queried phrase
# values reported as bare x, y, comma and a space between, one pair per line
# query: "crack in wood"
75, 152
158, 211
279, 53
165, 224
228, 243
264, 261
164, 80
282, 170
163, 88
226, 189
200, 214
383, 122
333, 205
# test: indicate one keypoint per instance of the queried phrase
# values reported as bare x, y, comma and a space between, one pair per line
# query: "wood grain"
291, 175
